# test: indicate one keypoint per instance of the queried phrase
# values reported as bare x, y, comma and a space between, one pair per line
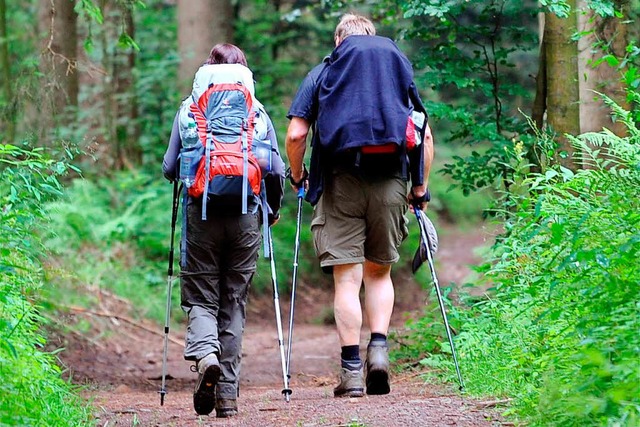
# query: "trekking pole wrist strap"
305, 175
419, 200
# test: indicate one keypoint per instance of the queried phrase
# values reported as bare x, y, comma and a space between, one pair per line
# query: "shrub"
30, 382
559, 331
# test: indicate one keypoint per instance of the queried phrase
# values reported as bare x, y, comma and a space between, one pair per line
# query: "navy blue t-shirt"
305, 103
305, 106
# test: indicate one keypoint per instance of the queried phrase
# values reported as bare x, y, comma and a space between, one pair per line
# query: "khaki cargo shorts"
360, 218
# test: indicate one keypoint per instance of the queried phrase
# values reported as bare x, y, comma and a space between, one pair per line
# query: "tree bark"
7, 112
127, 129
59, 56
563, 109
201, 25
540, 101
603, 36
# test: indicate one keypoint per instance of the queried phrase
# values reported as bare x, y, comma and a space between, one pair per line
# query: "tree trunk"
201, 25
540, 101
7, 110
563, 110
59, 59
603, 36
127, 130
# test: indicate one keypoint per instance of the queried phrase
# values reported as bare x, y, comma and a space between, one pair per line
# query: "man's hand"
419, 196
299, 180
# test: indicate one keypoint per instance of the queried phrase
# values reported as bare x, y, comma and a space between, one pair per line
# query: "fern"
559, 331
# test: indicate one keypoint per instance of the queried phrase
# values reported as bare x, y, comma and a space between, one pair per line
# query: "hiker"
359, 96
220, 244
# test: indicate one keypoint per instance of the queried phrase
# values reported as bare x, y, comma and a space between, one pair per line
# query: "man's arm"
427, 144
296, 145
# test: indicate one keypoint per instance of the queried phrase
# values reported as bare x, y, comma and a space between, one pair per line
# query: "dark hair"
226, 53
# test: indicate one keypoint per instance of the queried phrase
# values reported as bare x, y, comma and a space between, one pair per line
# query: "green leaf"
557, 233
125, 41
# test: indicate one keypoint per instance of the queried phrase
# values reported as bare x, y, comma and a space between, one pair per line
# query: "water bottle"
262, 151
190, 153
190, 137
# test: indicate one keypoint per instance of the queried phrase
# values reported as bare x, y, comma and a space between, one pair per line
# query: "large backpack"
369, 104
228, 119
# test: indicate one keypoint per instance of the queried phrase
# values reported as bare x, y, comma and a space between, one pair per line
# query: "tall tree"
562, 91
7, 116
119, 114
603, 37
59, 56
128, 151
201, 24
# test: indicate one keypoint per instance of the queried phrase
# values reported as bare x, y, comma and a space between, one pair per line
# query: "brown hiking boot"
377, 366
351, 384
204, 396
226, 408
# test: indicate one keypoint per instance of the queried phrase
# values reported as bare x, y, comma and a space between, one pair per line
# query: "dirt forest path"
122, 371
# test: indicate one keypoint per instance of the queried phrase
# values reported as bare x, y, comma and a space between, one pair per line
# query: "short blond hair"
354, 25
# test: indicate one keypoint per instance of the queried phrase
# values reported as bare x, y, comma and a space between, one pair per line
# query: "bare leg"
346, 303
378, 296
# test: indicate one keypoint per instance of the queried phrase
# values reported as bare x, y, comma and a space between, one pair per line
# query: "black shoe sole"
354, 392
226, 413
378, 382
204, 398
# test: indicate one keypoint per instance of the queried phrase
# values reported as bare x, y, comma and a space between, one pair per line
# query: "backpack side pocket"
189, 161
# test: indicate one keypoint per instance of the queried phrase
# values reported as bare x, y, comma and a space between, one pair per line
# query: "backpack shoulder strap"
265, 218
416, 157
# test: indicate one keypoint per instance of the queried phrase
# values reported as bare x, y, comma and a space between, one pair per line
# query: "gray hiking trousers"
220, 262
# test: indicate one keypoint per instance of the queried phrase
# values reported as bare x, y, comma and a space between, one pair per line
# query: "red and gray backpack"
220, 165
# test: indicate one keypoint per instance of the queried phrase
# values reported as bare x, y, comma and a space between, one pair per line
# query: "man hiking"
358, 102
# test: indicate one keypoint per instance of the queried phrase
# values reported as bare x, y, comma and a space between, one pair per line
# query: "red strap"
410, 135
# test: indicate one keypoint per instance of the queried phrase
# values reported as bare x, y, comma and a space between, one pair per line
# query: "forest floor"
120, 365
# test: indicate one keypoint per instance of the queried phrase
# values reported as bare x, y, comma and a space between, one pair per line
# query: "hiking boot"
226, 408
377, 366
204, 396
351, 384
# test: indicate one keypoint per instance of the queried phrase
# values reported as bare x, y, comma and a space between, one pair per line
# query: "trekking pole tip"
162, 394
287, 393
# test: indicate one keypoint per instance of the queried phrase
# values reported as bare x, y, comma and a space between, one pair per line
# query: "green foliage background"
28, 178
557, 329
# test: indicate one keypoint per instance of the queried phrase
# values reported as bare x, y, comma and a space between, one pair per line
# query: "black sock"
375, 336
350, 357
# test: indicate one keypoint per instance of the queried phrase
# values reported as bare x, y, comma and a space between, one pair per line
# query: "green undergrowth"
32, 390
556, 335
113, 234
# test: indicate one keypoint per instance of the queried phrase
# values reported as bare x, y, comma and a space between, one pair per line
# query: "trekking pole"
276, 301
295, 278
174, 216
426, 242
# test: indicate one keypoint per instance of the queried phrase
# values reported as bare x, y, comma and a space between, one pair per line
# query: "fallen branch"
73, 331
123, 319
407, 377
492, 403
